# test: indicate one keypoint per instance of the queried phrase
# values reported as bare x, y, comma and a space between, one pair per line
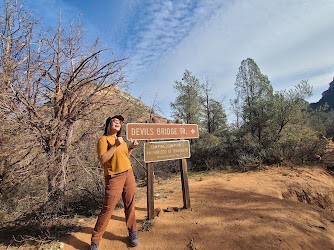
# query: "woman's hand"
134, 143
110, 152
118, 141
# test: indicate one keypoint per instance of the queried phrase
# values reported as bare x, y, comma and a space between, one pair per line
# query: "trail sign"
160, 131
166, 150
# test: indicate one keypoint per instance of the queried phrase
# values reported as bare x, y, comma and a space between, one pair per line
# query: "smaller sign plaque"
166, 150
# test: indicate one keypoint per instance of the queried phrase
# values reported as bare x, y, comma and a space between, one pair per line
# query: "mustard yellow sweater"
119, 162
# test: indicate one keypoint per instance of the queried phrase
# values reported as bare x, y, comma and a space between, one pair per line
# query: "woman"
113, 154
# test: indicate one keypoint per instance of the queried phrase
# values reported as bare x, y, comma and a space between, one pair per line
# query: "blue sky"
290, 40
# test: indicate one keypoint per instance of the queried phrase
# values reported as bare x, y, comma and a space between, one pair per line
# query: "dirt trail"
279, 208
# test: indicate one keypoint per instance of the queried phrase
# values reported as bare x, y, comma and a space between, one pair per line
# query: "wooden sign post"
150, 192
161, 151
184, 181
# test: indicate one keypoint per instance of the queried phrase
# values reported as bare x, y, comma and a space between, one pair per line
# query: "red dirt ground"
254, 210
277, 208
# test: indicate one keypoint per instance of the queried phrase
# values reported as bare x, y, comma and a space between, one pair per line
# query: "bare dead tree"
214, 115
50, 81
207, 93
155, 107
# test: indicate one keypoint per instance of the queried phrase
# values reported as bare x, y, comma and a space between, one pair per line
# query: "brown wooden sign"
166, 150
160, 131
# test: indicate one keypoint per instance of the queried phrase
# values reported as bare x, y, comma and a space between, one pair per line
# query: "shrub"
299, 143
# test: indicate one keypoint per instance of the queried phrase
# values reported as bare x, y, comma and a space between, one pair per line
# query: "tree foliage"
255, 96
322, 120
187, 104
290, 106
266, 116
209, 114
195, 104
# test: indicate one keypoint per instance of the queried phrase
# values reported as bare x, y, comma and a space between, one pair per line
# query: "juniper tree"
187, 105
255, 97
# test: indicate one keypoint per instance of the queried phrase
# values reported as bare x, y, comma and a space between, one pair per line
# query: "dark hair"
106, 128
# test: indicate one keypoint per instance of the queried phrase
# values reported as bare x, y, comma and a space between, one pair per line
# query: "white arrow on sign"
193, 131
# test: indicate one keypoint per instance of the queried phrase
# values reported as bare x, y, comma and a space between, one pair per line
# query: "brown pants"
117, 185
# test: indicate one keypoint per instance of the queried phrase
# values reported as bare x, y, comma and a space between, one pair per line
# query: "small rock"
171, 209
158, 212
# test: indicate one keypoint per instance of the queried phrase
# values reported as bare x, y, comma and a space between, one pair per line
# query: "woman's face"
115, 125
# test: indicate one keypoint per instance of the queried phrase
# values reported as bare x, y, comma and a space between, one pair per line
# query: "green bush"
299, 143
211, 152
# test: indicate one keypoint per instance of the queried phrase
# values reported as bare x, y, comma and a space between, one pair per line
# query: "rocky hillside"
327, 97
133, 110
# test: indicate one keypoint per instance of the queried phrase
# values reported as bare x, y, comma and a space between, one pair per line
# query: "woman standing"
114, 155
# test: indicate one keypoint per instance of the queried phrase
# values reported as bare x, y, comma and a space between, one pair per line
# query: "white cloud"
290, 40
